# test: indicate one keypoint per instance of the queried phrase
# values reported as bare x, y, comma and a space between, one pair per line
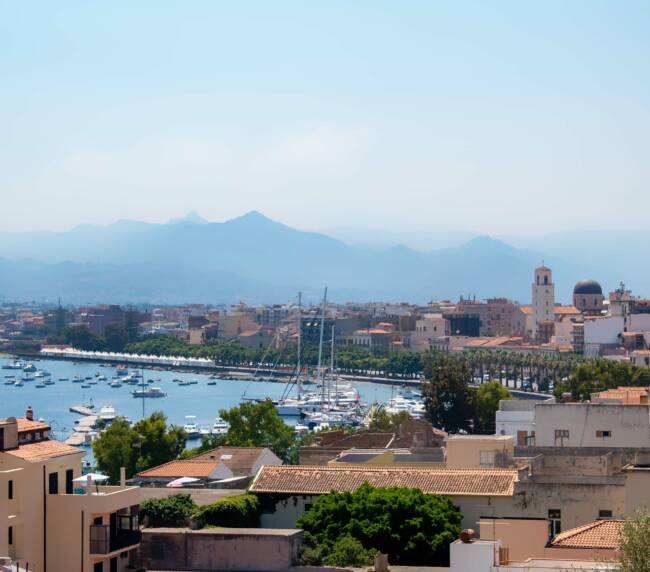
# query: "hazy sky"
495, 117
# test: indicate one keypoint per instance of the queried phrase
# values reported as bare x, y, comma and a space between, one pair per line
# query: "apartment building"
49, 521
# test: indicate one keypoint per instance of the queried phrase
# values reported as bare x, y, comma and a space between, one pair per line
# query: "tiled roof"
301, 479
603, 534
42, 450
25, 424
565, 310
240, 460
183, 468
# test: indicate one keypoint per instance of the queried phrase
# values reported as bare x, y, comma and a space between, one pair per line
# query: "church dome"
587, 287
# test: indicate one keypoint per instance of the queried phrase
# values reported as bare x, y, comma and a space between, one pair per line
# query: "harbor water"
204, 401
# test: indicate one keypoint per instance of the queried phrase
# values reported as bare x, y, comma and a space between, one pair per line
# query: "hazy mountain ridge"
256, 259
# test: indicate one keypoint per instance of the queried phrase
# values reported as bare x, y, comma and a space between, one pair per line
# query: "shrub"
348, 551
236, 511
409, 526
173, 511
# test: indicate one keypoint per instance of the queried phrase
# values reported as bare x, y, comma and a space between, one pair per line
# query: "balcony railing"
103, 540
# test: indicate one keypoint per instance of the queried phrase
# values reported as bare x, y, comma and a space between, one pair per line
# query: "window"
113, 564
555, 520
604, 514
98, 567
54, 483
10, 490
603, 434
561, 436
486, 458
69, 487
10, 535
37, 435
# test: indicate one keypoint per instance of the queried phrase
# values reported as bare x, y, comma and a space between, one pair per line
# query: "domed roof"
587, 287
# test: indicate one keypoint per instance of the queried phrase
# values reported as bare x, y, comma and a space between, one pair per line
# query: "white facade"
516, 417
428, 332
543, 297
591, 425
607, 330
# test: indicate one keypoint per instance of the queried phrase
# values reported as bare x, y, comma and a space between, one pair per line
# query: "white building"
543, 298
516, 417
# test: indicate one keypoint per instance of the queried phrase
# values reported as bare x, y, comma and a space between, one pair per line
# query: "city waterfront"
204, 401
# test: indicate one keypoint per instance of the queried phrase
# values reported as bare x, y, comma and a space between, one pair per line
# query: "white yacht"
191, 428
107, 413
149, 392
219, 427
115, 383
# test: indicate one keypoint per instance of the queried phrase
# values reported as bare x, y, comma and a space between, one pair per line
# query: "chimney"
122, 476
29, 414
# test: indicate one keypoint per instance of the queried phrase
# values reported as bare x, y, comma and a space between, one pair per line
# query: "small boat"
184, 383
16, 364
219, 427
49, 382
212, 382
115, 383
77, 379
30, 367
92, 382
11, 381
191, 428
40, 385
102, 378
85, 386
63, 379
19, 383
88, 377
194, 382
107, 413
149, 392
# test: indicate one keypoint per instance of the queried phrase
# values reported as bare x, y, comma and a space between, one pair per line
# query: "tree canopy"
635, 543
486, 404
446, 393
150, 442
409, 526
258, 425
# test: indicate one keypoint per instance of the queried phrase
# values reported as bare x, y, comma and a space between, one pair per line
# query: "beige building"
471, 451
50, 522
543, 298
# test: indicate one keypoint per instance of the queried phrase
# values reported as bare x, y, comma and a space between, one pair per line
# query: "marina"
188, 393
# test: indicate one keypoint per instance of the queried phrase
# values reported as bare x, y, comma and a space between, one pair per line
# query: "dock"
81, 410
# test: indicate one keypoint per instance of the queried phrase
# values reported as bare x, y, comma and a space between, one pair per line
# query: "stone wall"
236, 549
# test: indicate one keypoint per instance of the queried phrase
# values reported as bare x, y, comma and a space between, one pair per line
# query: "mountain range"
255, 259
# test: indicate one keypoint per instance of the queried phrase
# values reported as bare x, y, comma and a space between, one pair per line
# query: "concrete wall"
629, 425
219, 549
475, 451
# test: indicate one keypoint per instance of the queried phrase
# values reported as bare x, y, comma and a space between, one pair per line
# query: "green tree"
486, 404
383, 421
114, 449
258, 425
447, 399
81, 338
411, 527
115, 337
635, 543
237, 511
172, 511
150, 442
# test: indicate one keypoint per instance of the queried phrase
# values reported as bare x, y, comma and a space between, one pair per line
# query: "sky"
489, 117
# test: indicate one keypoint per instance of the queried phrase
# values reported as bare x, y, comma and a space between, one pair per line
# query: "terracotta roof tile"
182, 468
303, 479
603, 534
25, 424
42, 450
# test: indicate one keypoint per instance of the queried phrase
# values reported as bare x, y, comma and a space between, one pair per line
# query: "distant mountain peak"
191, 217
253, 217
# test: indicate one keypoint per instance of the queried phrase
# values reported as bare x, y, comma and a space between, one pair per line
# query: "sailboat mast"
331, 369
299, 365
320, 343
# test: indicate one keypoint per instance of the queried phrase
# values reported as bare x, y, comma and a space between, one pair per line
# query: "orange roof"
43, 450
526, 309
566, 310
603, 534
25, 424
182, 468
301, 479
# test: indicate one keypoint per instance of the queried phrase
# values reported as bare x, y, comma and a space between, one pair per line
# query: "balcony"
105, 539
